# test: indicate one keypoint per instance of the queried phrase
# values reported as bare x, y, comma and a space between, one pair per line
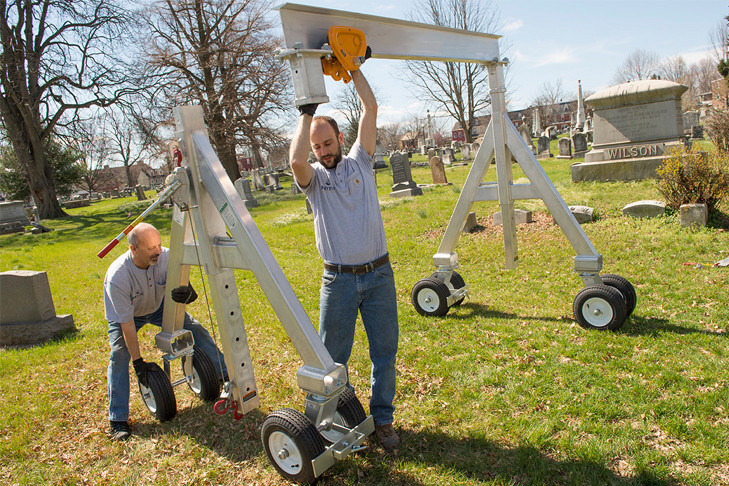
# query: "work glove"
141, 368
184, 294
309, 109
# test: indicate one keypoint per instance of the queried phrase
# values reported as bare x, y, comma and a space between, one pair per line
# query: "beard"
335, 160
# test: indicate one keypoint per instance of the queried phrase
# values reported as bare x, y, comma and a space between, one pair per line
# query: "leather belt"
358, 269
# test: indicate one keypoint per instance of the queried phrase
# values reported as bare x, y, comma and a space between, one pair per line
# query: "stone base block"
520, 217
250, 203
647, 208
471, 222
616, 170
413, 191
34, 333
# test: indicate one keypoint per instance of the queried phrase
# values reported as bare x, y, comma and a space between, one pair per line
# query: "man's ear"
341, 138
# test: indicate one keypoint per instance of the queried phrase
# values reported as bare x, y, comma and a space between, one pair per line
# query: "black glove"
184, 294
141, 368
368, 53
309, 109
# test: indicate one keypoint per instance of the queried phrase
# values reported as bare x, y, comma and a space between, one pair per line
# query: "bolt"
597, 312
283, 454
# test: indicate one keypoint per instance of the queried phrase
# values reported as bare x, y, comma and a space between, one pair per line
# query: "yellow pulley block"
349, 47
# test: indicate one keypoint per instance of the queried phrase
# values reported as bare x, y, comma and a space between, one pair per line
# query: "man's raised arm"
300, 148
367, 134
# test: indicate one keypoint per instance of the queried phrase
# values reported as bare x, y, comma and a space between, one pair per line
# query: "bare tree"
125, 141
58, 57
389, 135
639, 64
347, 103
549, 101
459, 88
219, 53
90, 141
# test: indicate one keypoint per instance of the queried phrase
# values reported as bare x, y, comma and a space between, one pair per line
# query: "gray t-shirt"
132, 291
347, 219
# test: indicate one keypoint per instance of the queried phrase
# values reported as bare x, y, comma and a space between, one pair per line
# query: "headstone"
583, 214
471, 223
551, 132
697, 132
447, 156
520, 217
693, 215
635, 125
270, 188
258, 184
431, 153
690, 118
526, 134
403, 184
379, 159
115, 193
543, 148
645, 209
466, 152
12, 217
474, 148
565, 148
243, 186
437, 171
275, 179
579, 144
27, 314
537, 127
295, 188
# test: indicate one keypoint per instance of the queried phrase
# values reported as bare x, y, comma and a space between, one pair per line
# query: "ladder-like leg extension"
212, 227
604, 303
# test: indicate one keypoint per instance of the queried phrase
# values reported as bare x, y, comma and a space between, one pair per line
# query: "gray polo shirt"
347, 219
132, 291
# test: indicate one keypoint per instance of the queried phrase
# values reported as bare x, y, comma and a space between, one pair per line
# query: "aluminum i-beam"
216, 230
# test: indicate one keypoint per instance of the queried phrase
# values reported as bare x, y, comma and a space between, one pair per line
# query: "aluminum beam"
388, 38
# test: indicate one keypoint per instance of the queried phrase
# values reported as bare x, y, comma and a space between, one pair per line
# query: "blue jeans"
373, 295
118, 371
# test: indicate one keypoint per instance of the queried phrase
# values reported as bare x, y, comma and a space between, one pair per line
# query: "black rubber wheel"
291, 442
204, 381
430, 297
625, 288
599, 307
350, 414
158, 396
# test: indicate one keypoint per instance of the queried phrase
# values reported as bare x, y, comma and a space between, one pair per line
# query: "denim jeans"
373, 295
118, 371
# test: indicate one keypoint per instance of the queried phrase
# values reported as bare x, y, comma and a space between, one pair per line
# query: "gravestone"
580, 118
697, 132
295, 188
526, 134
583, 214
579, 144
270, 188
645, 209
470, 223
543, 148
403, 184
635, 125
466, 152
432, 153
275, 179
521, 216
565, 148
379, 159
437, 171
243, 186
690, 118
27, 314
446, 156
693, 215
12, 217
258, 184
537, 127
140, 193
474, 148
115, 193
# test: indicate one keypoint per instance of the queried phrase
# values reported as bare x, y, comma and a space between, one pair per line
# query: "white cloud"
564, 56
513, 24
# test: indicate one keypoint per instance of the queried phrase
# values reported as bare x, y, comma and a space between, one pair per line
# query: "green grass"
505, 390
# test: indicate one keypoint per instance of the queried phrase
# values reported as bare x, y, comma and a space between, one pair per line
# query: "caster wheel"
456, 282
350, 414
202, 379
600, 307
291, 442
430, 297
625, 288
158, 396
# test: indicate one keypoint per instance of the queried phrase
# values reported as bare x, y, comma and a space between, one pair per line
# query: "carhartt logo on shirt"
328, 186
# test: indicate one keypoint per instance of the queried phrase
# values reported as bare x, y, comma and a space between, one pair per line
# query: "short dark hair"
331, 121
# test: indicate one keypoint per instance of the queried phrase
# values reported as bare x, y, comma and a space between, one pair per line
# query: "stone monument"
635, 125
27, 314
580, 118
543, 151
526, 134
537, 127
243, 186
565, 148
579, 144
437, 170
403, 184
12, 217
379, 159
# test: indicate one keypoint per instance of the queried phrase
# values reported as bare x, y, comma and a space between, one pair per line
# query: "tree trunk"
42, 187
256, 151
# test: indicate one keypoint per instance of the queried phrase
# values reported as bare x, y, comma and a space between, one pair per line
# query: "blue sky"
552, 40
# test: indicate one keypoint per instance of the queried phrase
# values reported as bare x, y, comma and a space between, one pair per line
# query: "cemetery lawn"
505, 390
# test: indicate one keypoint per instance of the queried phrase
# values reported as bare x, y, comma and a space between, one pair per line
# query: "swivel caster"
291, 442
430, 297
158, 395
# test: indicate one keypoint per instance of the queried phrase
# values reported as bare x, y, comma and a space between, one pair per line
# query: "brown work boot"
388, 438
